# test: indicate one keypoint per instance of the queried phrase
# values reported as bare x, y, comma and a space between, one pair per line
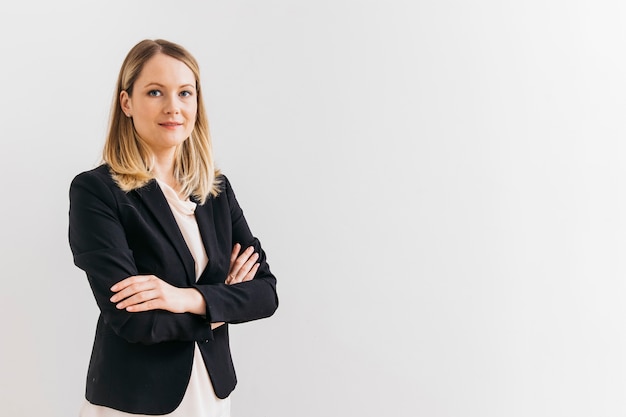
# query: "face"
164, 103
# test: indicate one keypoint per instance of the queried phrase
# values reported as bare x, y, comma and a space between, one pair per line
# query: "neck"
163, 169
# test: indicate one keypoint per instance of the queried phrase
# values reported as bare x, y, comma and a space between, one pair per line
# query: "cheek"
192, 113
142, 113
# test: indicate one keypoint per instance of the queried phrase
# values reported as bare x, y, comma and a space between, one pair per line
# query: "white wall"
439, 186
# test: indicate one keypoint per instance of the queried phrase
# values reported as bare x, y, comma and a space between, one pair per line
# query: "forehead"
164, 69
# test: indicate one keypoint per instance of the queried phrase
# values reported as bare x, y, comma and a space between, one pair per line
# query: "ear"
126, 103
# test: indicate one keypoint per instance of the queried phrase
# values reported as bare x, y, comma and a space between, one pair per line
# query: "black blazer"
141, 362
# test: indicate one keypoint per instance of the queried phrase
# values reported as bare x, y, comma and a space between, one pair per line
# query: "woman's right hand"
242, 267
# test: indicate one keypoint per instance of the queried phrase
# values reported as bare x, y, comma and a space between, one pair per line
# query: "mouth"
170, 125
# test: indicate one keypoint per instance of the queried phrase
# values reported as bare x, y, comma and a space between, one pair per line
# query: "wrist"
196, 303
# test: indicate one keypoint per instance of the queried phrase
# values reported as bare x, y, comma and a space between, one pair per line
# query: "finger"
244, 263
138, 298
154, 304
129, 292
250, 275
245, 269
133, 289
241, 259
234, 254
129, 281
231, 278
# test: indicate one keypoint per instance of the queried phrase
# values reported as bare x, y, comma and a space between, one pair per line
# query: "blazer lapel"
219, 263
155, 201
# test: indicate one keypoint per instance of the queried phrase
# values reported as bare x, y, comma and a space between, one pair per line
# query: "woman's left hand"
243, 266
148, 292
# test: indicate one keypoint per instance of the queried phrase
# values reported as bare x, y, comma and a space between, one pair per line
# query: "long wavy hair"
130, 159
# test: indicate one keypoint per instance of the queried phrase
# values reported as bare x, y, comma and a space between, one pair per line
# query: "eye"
186, 93
154, 93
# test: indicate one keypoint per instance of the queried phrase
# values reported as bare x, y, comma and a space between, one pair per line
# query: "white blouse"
200, 399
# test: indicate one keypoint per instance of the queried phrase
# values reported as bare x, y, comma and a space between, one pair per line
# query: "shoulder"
225, 186
95, 182
225, 196
100, 173
223, 181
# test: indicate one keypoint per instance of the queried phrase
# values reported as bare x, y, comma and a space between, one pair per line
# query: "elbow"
272, 304
135, 330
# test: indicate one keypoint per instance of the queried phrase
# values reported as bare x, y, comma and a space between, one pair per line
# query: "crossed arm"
148, 292
141, 308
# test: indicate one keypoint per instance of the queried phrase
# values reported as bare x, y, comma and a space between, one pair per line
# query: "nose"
172, 106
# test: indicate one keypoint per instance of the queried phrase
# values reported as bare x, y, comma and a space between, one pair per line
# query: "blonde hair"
128, 157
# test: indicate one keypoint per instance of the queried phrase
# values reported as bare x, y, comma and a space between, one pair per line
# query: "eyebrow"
162, 86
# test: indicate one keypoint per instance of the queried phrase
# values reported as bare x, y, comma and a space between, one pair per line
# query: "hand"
242, 267
148, 292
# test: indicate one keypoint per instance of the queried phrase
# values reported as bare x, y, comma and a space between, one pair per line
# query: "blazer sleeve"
245, 301
99, 247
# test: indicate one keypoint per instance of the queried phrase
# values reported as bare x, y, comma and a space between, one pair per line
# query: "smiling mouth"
170, 124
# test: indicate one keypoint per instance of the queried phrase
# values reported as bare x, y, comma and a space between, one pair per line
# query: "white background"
439, 186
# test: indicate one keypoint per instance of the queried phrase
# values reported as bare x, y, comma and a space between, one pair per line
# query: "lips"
170, 124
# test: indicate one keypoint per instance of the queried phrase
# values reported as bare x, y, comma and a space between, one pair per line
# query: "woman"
166, 249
